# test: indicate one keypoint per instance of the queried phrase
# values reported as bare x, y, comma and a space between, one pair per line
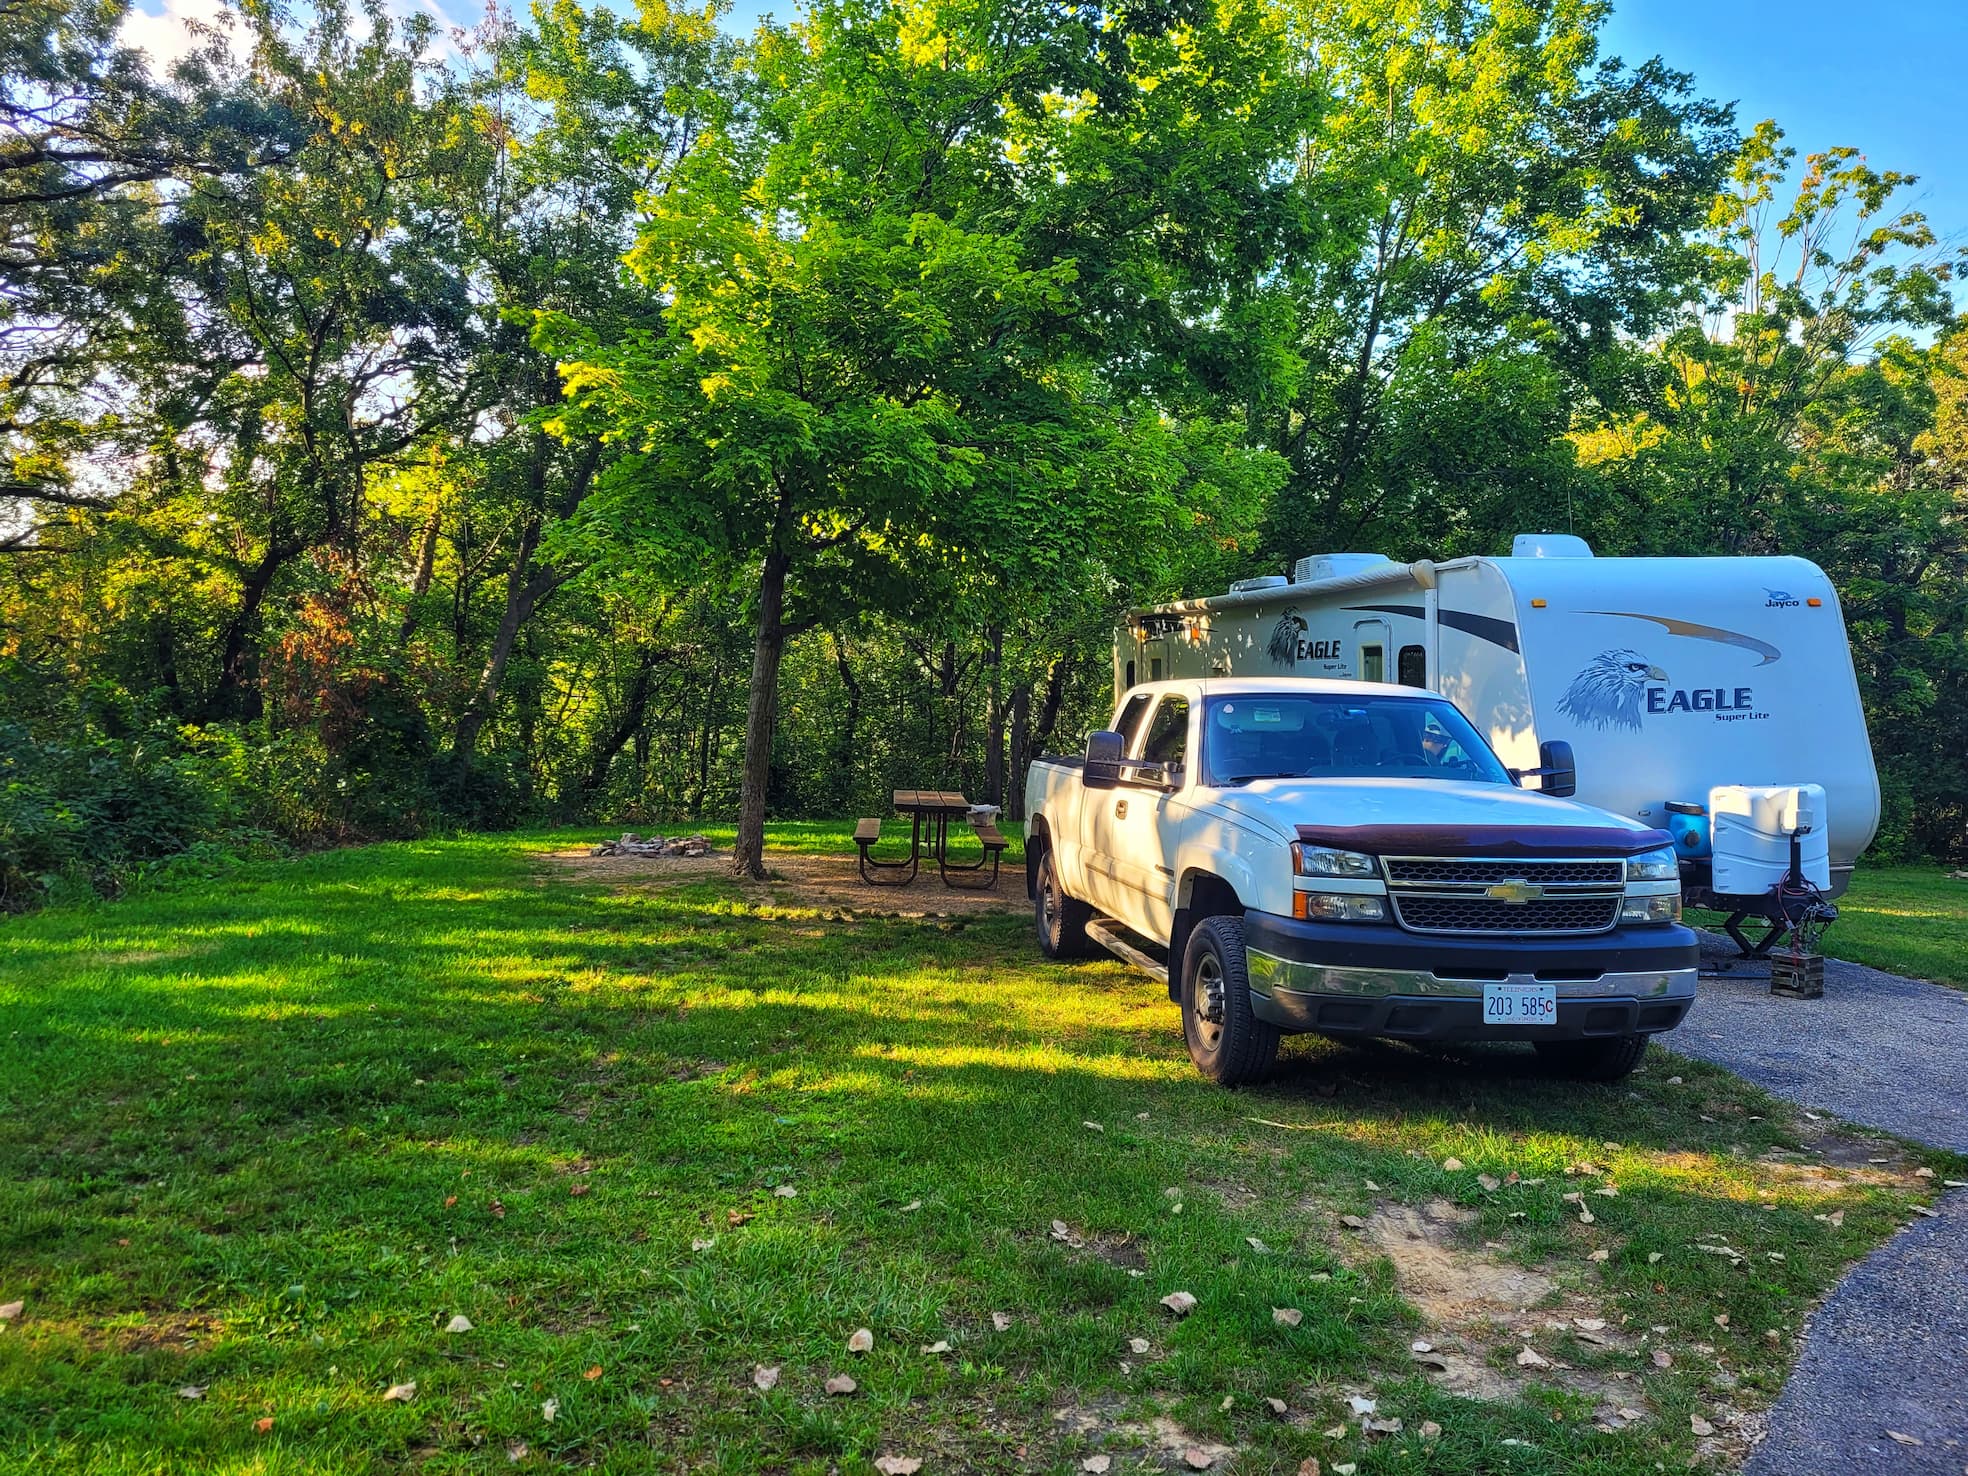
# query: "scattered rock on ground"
631, 844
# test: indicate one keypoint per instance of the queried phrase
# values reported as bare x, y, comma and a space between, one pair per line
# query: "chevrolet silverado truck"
1352, 859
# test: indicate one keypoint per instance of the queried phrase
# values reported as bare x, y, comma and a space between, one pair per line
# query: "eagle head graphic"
1612, 690
1284, 637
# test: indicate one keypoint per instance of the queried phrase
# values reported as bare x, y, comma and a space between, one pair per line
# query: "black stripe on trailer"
1484, 627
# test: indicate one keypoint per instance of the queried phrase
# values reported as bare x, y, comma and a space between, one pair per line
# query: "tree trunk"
167, 665
635, 707
426, 564
526, 586
1021, 738
706, 738
233, 697
523, 591
1055, 694
994, 718
845, 754
761, 710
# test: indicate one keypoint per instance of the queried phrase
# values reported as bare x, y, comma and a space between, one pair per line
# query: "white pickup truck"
1352, 859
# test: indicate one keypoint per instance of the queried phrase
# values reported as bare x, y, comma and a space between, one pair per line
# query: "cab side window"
1168, 735
1128, 722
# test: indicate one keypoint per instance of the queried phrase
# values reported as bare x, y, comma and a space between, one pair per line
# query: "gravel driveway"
1878, 1049
1889, 1348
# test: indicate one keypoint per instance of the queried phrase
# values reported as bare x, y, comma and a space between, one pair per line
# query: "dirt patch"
175, 1332
826, 884
1161, 1438
1450, 1286
1233, 1197
1170, 1441
1123, 1251
1837, 1146
1119, 1250
1476, 1309
1469, 1376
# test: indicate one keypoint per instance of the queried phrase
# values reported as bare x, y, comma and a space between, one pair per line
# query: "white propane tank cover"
1751, 826
1549, 546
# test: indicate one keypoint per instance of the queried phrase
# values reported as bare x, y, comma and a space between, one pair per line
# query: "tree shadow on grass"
341, 1107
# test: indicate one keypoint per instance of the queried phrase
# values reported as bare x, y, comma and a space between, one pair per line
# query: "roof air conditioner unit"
1549, 546
1331, 566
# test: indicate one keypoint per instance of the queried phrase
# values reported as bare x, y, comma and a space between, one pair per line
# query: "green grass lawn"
1910, 920
266, 1136
1906, 919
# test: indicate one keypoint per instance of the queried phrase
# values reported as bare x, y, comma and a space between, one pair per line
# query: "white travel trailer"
1712, 697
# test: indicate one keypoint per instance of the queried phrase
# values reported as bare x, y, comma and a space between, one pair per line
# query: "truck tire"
1611, 1059
1228, 1043
1059, 919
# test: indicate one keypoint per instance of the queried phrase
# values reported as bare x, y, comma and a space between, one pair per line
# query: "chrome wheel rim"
1207, 1004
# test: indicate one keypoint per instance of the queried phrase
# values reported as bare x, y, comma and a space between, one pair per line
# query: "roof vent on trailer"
1262, 581
1331, 566
1549, 546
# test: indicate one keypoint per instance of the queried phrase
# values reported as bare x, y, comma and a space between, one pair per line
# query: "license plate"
1520, 1004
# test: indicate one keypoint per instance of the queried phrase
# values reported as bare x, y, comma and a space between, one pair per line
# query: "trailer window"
1130, 673
1412, 668
1373, 663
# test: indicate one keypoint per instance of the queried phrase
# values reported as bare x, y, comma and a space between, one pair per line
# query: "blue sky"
1889, 78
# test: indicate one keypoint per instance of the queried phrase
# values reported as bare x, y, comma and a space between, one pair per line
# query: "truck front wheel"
1060, 920
1228, 1043
1609, 1059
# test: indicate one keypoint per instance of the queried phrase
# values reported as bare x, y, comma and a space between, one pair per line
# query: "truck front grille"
1456, 894
1481, 915
1461, 871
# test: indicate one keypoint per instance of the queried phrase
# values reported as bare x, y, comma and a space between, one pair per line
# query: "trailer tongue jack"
1798, 912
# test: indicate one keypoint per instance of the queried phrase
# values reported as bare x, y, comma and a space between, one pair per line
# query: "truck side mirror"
1558, 768
1104, 752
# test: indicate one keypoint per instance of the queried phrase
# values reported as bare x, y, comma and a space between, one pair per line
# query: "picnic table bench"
930, 812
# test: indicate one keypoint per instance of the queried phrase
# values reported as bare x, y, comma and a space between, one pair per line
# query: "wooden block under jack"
1797, 975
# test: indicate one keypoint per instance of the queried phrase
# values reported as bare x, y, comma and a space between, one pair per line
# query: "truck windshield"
1321, 735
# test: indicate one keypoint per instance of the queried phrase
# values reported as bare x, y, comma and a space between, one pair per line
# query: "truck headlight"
1324, 861
1661, 865
1339, 907
1663, 908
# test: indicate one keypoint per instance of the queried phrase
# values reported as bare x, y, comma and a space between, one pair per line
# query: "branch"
42, 492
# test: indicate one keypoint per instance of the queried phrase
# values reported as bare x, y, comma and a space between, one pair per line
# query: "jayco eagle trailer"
1714, 697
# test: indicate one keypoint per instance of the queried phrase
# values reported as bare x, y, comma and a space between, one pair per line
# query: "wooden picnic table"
930, 812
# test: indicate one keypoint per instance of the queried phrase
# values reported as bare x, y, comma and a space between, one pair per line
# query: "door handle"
1120, 809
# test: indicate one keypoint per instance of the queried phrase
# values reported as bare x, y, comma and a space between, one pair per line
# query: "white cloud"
164, 35
163, 29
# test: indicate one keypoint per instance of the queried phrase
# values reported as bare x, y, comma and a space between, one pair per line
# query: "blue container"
1690, 834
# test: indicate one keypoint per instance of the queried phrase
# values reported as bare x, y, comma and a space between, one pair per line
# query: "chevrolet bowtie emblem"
1516, 893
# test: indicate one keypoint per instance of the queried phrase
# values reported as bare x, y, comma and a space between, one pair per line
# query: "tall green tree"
1797, 410
1507, 208
589, 112
857, 375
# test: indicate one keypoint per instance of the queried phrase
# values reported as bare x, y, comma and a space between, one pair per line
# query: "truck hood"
1434, 818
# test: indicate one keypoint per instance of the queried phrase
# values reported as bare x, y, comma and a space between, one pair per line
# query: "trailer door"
1373, 637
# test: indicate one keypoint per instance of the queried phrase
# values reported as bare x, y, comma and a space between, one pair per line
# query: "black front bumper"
1364, 979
